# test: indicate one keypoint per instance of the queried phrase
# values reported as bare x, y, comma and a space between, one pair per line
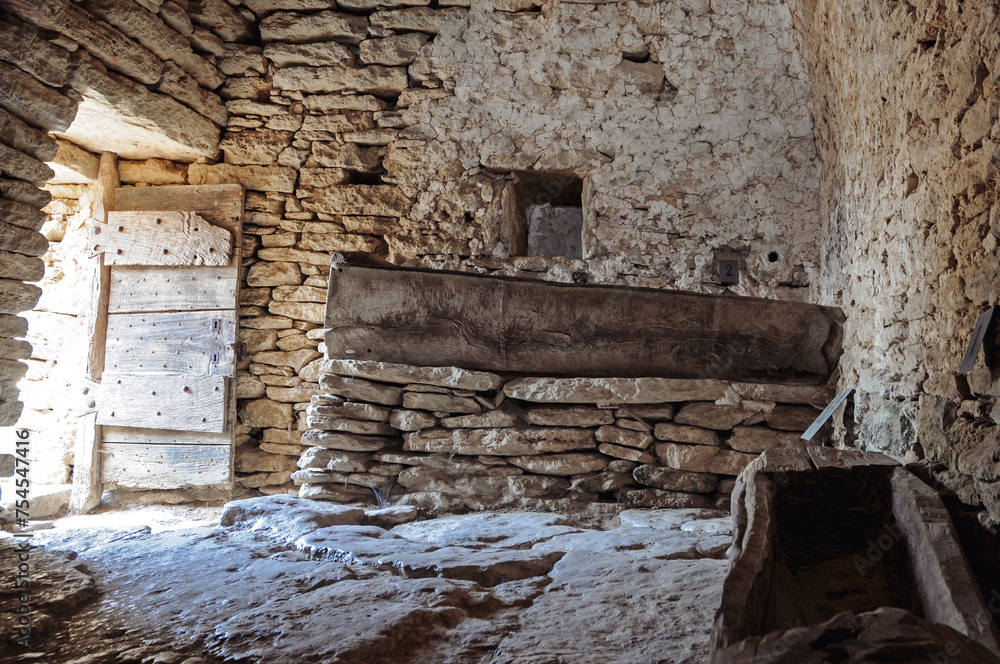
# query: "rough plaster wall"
715, 160
905, 100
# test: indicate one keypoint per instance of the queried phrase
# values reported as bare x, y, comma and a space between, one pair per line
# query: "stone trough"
845, 547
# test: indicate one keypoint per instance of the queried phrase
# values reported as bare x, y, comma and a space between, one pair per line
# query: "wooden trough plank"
137, 466
436, 318
161, 238
163, 436
221, 204
194, 342
135, 289
163, 401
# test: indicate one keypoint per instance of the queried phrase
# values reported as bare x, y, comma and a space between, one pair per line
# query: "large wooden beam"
436, 318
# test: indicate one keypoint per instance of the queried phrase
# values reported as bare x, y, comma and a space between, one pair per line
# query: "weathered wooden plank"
97, 319
434, 318
221, 204
134, 466
161, 238
196, 342
163, 401
86, 492
135, 288
163, 436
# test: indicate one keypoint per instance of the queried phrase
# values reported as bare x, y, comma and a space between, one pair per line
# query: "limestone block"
702, 458
274, 274
43, 60
261, 7
500, 442
21, 214
294, 359
251, 459
323, 26
618, 436
25, 192
325, 103
267, 323
368, 5
254, 146
265, 413
364, 427
282, 437
440, 402
20, 267
334, 493
759, 439
614, 390
13, 326
361, 390
14, 349
108, 44
490, 419
711, 416
392, 51
791, 418
240, 59
299, 294
686, 434
411, 420
344, 441
658, 499
569, 416
326, 127
121, 116
418, 19
320, 178
11, 370
795, 394
20, 166
259, 178
72, 165
181, 86
255, 341
373, 200
176, 17
348, 156
249, 387
674, 480
601, 482
575, 463
10, 412
373, 79
296, 394
310, 312
337, 460
221, 19
496, 490
203, 39
17, 296
452, 377
146, 28
293, 255
625, 453
34, 102
357, 411
318, 54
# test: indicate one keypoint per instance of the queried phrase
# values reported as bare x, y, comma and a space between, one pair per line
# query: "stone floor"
286, 580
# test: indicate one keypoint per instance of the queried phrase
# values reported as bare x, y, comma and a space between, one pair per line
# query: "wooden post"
86, 492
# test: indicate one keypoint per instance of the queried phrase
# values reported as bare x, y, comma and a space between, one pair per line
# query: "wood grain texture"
178, 288
137, 466
194, 342
161, 238
86, 492
162, 436
221, 204
97, 319
435, 318
163, 401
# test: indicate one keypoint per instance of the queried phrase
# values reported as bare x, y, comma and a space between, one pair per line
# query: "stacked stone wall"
906, 103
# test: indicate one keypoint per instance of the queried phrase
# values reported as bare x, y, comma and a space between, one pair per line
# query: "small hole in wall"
553, 213
636, 57
365, 178
772, 257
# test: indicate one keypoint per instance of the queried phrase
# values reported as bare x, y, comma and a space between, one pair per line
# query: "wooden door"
166, 402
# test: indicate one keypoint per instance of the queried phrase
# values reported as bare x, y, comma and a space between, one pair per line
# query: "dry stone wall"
446, 439
906, 102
